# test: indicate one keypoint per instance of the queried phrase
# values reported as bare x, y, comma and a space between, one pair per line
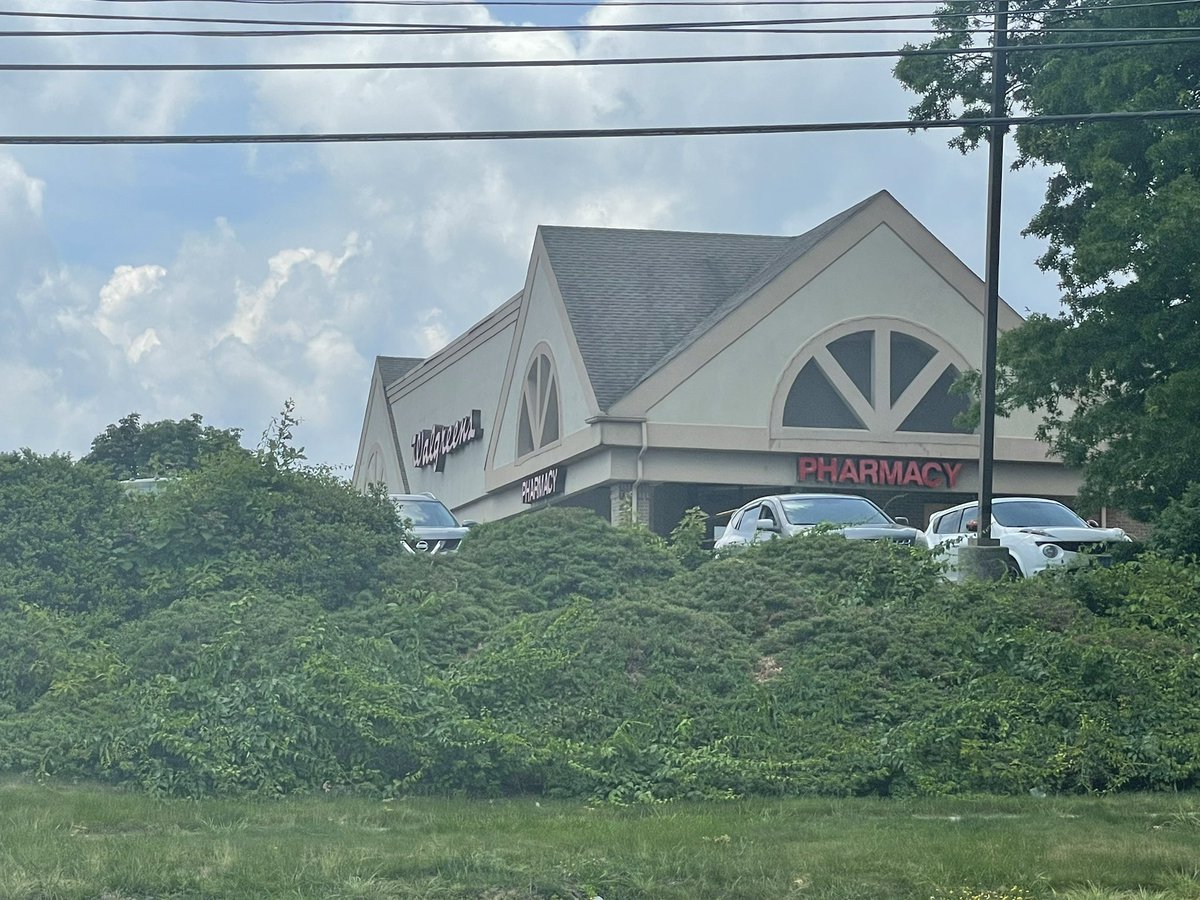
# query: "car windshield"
425, 513
1027, 513
837, 510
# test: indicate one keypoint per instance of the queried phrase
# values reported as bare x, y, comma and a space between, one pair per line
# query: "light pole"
984, 557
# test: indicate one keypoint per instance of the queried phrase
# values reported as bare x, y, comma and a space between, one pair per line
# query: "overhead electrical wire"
646, 3
343, 23
571, 63
748, 26
581, 133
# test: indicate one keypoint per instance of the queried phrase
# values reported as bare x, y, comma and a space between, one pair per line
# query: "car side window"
950, 523
748, 523
970, 514
769, 514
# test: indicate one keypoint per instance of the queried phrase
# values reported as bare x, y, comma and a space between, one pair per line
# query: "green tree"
1118, 370
241, 521
131, 449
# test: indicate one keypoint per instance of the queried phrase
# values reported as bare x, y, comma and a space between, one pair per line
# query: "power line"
580, 133
342, 23
571, 63
608, 3
748, 26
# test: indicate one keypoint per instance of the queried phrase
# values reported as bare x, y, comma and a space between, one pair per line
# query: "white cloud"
20, 194
201, 279
123, 309
432, 333
258, 308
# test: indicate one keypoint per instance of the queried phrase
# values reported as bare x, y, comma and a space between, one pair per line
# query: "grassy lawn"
76, 842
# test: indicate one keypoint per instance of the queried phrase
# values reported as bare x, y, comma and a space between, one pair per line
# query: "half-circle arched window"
373, 471
539, 421
880, 376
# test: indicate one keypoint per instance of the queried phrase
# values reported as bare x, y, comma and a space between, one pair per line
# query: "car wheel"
1012, 570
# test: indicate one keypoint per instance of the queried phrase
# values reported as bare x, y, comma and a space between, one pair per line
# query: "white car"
787, 515
1039, 534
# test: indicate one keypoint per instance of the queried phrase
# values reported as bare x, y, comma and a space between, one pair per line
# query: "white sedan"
788, 515
1038, 534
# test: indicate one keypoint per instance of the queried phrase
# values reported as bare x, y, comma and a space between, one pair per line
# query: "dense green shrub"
1177, 528
260, 696
241, 521
762, 589
559, 552
64, 528
256, 627
615, 678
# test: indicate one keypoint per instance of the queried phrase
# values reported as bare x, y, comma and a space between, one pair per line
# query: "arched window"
539, 423
374, 470
882, 376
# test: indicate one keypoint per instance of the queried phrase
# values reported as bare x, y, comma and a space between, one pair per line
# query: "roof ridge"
660, 231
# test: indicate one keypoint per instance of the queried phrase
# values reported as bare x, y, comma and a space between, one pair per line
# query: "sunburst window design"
877, 379
539, 423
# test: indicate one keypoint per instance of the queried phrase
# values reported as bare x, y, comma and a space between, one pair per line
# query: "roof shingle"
635, 299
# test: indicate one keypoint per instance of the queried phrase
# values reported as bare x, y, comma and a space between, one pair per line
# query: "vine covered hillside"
256, 627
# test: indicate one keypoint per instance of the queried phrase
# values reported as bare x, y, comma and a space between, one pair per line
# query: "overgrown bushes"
255, 628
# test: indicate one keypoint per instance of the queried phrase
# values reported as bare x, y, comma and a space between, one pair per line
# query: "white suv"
1038, 534
432, 527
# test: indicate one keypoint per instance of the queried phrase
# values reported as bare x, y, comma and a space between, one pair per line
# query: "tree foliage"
133, 449
1119, 369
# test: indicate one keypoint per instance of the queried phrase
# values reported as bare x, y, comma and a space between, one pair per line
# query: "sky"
224, 280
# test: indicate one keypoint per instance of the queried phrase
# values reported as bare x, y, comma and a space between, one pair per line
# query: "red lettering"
827, 466
805, 467
878, 471
868, 471
931, 474
952, 470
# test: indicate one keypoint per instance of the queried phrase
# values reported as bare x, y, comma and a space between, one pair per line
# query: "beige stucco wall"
881, 276
377, 436
544, 323
469, 382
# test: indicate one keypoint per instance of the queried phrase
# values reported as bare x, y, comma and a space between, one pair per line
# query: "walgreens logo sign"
431, 446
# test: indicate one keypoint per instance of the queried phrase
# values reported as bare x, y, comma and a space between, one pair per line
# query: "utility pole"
985, 558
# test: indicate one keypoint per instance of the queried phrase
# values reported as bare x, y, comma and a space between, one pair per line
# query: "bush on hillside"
561, 552
64, 530
257, 628
264, 697
240, 521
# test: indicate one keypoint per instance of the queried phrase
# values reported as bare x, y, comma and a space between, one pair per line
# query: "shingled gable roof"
393, 368
635, 299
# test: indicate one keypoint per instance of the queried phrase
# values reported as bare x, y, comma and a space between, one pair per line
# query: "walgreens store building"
657, 371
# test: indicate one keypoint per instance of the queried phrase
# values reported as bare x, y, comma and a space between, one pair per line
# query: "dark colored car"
432, 527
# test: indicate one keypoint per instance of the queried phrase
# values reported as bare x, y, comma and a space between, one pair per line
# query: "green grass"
87, 842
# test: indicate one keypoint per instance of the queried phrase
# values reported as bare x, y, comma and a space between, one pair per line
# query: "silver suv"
431, 526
